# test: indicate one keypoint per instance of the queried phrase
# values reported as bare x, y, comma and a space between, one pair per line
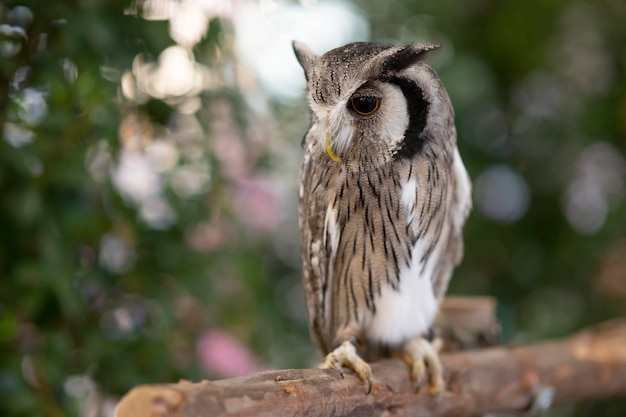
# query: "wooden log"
467, 322
588, 365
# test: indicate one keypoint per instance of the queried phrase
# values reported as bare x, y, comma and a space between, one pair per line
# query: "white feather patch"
395, 114
409, 311
463, 191
331, 229
332, 232
341, 130
315, 250
408, 199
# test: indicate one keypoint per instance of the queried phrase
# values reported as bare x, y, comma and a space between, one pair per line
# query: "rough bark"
588, 365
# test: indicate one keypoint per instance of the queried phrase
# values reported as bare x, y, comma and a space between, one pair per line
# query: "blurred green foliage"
102, 290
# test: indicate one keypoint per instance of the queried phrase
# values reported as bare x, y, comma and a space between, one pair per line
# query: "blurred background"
148, 168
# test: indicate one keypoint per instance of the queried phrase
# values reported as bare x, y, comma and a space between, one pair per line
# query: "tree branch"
588, 365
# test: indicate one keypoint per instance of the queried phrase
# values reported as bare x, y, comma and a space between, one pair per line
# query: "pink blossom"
222, 355
257, 204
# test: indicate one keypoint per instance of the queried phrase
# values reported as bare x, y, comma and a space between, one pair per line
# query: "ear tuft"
404, 56
305, 57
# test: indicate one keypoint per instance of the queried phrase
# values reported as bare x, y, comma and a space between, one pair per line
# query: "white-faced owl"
383, 199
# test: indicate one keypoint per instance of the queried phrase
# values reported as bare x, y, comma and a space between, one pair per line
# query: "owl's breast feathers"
379, 245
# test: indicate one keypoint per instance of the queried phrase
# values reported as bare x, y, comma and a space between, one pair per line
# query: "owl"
383, 197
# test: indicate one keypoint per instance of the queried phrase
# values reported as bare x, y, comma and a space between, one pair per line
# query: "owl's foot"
423, 357
345, 355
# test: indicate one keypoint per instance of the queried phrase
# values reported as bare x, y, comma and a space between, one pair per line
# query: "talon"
368, 378
436, 396
333, 362
417, 372
422, 357
345, 355
436, 390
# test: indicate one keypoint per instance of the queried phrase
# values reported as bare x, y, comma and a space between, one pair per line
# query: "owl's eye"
365, 105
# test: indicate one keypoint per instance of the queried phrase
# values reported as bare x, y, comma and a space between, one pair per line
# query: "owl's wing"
312, 211
460, 204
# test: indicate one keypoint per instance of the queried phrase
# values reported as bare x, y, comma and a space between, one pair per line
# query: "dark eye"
365, 105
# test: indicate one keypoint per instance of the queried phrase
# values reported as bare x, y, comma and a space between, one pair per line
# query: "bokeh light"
501, 194
264, 31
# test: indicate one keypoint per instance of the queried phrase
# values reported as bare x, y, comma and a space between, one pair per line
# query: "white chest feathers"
408, 311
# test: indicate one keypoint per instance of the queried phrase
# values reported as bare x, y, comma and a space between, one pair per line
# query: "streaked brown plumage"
383, 199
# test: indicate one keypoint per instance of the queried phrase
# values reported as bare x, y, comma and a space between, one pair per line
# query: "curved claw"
341, 371
346, 355
417, 371
369, 386
436, 394
421, 356
333, 362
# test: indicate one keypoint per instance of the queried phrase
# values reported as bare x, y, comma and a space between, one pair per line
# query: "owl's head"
373, 102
